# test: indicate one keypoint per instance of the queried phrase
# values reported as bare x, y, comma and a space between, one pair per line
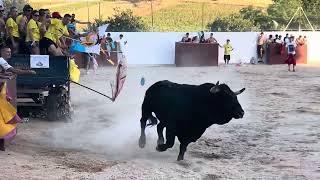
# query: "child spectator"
291, 48
227, 51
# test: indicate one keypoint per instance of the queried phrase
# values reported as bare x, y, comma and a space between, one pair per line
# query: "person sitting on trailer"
8, 114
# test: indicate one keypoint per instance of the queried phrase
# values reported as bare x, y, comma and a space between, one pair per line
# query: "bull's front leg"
183, 149
170, 137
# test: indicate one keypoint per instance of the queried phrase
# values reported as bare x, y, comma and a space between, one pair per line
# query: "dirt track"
277, 139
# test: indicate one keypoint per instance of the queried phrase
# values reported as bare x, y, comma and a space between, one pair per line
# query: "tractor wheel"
58, 105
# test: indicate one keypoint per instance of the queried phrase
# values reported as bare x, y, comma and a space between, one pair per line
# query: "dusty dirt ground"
278, 138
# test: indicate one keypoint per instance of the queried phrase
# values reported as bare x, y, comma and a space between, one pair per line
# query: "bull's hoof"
161, 147
180, 158
142, 141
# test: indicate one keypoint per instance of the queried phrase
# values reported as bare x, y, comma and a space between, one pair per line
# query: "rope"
93, 90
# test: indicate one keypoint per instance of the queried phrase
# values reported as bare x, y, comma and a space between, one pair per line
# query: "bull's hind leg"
170, 136
183, 149
160, 133
142, 139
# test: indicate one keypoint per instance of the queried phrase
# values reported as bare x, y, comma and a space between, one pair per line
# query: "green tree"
311, 8
125, 21
282, 11
234, 22
258, 17
277, 16
121, 21
17, 3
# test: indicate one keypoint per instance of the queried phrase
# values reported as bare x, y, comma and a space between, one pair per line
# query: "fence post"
99, 10
88, 10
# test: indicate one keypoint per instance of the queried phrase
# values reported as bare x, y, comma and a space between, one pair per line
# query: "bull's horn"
217, 83
239, 92
215, 89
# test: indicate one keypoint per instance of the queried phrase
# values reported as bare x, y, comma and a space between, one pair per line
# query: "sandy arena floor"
278, 138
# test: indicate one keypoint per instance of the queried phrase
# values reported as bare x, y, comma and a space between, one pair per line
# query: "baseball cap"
56, 15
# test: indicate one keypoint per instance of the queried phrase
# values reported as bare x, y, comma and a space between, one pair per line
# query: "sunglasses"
37, 15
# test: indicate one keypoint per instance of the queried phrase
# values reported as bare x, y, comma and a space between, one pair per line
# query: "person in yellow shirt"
53, 40
227, 51
12, 30
42, 22
33, 34
22, 21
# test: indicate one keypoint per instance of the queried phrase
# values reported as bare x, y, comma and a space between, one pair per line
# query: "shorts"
291, 59
30, 47
44, 45
259, 47
226, 57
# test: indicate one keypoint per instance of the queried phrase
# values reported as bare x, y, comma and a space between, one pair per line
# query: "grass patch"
188, 16
169, 15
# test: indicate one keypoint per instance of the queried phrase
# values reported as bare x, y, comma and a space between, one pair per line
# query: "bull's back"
168, 99
167, 89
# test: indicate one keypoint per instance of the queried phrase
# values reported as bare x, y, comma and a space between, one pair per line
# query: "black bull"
186, 111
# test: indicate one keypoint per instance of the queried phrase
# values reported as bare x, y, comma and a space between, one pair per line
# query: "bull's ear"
239, 92
215, 89
217, 83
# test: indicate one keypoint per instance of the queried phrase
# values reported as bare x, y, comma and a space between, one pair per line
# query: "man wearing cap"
53, 39
2, 25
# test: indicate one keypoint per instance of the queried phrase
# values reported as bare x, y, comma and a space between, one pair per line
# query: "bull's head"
228, 99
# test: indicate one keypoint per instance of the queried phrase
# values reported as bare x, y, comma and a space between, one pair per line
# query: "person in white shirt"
279, 40
286, 39
291, 49
122, 43
9, 117
6, 67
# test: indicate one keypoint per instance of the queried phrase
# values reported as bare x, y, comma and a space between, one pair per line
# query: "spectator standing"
202, 38
211, 39
12, 31
260, 49
286, 39
33, 34
227, 51
186, 38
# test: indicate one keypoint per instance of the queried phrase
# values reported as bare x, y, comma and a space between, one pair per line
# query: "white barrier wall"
159, 47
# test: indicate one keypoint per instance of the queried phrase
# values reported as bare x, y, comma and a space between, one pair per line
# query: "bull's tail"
147, 111
146, 116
